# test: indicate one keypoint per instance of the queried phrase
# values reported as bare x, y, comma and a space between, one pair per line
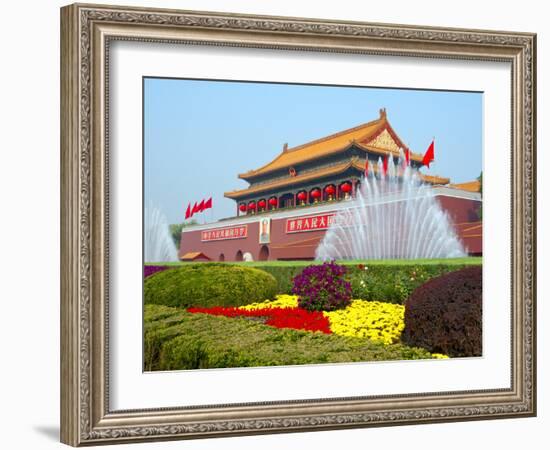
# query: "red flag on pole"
429, 156
188, 211
385, 165
208, 203
200, 208
194, 210
367, 167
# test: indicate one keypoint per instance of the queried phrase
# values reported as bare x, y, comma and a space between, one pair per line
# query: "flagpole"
433, 141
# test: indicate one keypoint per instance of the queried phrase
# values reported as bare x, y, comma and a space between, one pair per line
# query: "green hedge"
177, 340
283, 275
391, 283
212, 284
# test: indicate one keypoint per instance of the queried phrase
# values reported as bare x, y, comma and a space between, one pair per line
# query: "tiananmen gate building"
290, 202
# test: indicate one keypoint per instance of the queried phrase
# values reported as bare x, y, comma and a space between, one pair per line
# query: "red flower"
295, 318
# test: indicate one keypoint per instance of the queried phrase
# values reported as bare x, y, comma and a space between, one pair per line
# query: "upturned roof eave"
336, 170
381, 151
354, 162
251, 174
247, 177
383, 124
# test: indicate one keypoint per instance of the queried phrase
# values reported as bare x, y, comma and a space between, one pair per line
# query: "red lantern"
302, 196
316, 193
346, 188
261, 203
252, 205
330, 190
272, 201
242, 207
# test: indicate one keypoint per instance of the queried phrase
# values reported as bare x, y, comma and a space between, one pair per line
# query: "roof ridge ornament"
382, 113
285, 147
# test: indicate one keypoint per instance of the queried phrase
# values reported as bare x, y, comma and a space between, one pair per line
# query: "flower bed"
288, 317
281, 301
392, 281
322, 287
175, 339
377, 321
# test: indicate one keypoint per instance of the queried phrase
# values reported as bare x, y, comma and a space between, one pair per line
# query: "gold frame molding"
86, 31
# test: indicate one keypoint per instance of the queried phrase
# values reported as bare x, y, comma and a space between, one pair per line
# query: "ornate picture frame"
87, 31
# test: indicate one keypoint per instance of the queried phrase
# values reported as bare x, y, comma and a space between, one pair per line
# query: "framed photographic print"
257, 208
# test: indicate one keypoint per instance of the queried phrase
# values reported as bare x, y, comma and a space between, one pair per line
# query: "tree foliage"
175, 231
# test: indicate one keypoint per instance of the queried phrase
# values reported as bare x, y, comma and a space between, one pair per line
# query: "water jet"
393, 216
158, 245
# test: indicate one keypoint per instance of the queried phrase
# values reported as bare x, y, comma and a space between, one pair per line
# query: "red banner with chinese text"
312, 223
220, 234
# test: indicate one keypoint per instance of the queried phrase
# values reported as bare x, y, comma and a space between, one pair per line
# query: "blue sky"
198, 135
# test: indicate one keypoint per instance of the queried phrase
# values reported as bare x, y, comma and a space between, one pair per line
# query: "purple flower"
322, 287
151, 270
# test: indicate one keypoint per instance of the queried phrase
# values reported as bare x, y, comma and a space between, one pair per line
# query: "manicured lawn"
474, 260
371, 262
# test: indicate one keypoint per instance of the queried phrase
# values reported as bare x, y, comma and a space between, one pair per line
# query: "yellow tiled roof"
382, 152
325, 171
471, 186
434, 179
322, 172
328, 145
193, 255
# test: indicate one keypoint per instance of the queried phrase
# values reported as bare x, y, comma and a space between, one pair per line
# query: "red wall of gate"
464, 214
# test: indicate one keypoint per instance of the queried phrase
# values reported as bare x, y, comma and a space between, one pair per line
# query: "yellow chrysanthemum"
378, 321
281, 301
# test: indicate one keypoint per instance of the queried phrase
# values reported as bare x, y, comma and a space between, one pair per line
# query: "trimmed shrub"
444, 315
322, 287
156, 321
284, 275
209, 284
178, 340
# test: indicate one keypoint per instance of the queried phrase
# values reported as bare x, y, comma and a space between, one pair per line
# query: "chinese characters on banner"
220, 234
312, 223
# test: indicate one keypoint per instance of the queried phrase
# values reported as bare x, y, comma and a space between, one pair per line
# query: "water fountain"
158, 245
393, 216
